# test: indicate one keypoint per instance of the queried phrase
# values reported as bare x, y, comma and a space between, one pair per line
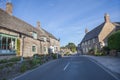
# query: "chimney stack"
9, 8
38, 24
107, 18
86, 31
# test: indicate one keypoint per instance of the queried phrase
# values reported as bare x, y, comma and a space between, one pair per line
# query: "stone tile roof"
93, 33
50, 35
117, 24
12, 23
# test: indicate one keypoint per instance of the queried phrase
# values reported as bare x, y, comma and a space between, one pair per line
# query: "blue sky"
66, 19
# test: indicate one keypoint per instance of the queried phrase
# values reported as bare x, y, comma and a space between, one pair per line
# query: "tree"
114, 41
71, 46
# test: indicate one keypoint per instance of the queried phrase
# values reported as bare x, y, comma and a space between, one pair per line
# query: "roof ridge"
93, 33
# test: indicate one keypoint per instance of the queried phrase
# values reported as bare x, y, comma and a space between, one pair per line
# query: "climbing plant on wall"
18, 47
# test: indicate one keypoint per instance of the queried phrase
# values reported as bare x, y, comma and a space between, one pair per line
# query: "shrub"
114, 41
34, 62
9, 64
98, 53
91, 51
105, 50
15, 59
54, 56
1, 67
4, 79
23, 68
3, 61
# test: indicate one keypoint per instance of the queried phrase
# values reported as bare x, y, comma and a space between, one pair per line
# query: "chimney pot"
86, 31
38, 24
107, 17
9, 8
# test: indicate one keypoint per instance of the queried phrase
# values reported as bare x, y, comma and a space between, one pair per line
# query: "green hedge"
114, 41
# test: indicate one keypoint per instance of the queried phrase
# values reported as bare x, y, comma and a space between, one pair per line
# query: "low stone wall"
6, 56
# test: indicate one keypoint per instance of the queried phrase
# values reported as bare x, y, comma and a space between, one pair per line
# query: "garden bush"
9, 64
114, 41
99, 53
91, 51
15, 59
3, 61
23, 68
54, 56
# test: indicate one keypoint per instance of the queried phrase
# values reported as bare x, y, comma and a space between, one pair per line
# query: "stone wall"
55, 43
8, 32
26, 44
108, 28
27, 48
90, 44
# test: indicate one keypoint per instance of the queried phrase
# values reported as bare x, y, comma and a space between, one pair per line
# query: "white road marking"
105, 70
66, 66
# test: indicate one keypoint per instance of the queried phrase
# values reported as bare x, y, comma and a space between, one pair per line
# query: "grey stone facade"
97, 38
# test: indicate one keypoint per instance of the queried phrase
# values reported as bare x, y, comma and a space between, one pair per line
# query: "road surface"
68, 68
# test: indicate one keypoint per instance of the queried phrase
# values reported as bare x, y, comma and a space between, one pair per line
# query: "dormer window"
34, 34
43, 39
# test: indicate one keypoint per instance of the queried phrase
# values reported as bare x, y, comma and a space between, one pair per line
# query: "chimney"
9, 8
38, 25
107, 18
86, 31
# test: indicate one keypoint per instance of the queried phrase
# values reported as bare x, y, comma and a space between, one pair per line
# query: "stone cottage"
97, 38
20, 38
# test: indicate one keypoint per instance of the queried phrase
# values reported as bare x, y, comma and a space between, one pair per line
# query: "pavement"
110, 62
69, 68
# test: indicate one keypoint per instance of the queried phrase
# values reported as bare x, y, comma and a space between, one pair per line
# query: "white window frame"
34, 34
35, 48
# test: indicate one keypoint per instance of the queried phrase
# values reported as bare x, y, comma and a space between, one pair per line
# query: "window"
7, 43
93, 40
0, 42
33, 48
34, 34
85, 43
83, 50
86, 50
45, 49
89, 42
89, 48
4, 43
82, 44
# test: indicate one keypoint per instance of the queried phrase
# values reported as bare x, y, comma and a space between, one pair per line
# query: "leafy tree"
114, 41
62, 47
71, 46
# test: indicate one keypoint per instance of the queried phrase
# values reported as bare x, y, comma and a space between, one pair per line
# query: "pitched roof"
15, 24
50, 35
93, 33
117, 24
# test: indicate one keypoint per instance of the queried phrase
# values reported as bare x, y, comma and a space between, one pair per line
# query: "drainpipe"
40, 47
22, 48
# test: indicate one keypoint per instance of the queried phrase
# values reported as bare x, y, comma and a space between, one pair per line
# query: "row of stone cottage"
97, 38
20, 38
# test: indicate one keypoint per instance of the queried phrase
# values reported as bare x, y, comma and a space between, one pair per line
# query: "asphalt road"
68, 68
